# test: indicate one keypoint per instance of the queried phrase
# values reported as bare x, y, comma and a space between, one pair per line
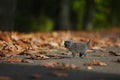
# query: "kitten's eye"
67, 42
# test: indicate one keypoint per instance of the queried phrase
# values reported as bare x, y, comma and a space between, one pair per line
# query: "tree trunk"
88, 15
7, 14
63, 19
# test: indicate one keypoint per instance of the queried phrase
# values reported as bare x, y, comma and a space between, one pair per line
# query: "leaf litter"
5, 78
59, 66
114, 53
36, 46
59, 74
95, 63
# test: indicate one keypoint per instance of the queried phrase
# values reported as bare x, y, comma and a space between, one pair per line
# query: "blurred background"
49, 15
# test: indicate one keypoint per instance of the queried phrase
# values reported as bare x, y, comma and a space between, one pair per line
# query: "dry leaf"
38, 57
67, 66
117, 60
59, 74
5, 78
101, 55
54, 44
27, 61
13, 60
96, 63
66, 53
60, 66
36, 76
14, 43
54, 56
114, 53
89, 51
98, 48
50, 64
89, 67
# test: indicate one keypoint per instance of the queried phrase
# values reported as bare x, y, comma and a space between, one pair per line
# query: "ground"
30, 62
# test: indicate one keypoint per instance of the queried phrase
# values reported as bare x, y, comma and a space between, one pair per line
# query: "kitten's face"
67, 44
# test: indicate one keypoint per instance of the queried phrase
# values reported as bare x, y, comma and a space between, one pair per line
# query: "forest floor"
42, 56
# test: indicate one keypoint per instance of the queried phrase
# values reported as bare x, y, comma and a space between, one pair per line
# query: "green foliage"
78, 7
41, 24
44, 13
102, 11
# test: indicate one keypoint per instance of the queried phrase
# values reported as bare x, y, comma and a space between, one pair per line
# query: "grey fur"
77, 48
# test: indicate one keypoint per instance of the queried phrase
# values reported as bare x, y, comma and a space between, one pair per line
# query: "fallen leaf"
55, 56
38, 57
67, 66
117, 60
101, 55
15, 43
5, 36
117, 44
13, 60
98, 48
27, 61
50, 64
89, 51
59, 74
66, 53
96, 63
54, 44
36, 76
114, 53
59, 66
5, 78
1, 54
89, 68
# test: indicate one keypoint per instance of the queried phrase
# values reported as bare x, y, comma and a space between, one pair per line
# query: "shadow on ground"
25, 72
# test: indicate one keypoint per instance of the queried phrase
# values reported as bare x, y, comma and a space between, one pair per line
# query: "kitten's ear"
67, 41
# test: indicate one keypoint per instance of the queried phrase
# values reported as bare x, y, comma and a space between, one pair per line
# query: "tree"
115, 13
63, 19
7, 14
88, 15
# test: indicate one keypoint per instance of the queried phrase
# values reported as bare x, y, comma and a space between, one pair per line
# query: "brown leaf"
38, 57
54, 44
98, 48
96, 63
89, 51
1, 54
101, 55
60, 66
5, 36
50, 64
117, 60
89, 67
14, 43
13, 60
59, 74
55, 56
27, 61
5, 78
36, 76
114, 53
66, 53
66, 66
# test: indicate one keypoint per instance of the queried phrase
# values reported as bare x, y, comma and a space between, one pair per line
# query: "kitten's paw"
74, 56
83, 56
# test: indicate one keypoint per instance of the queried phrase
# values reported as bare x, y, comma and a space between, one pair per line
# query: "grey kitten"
77, 48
